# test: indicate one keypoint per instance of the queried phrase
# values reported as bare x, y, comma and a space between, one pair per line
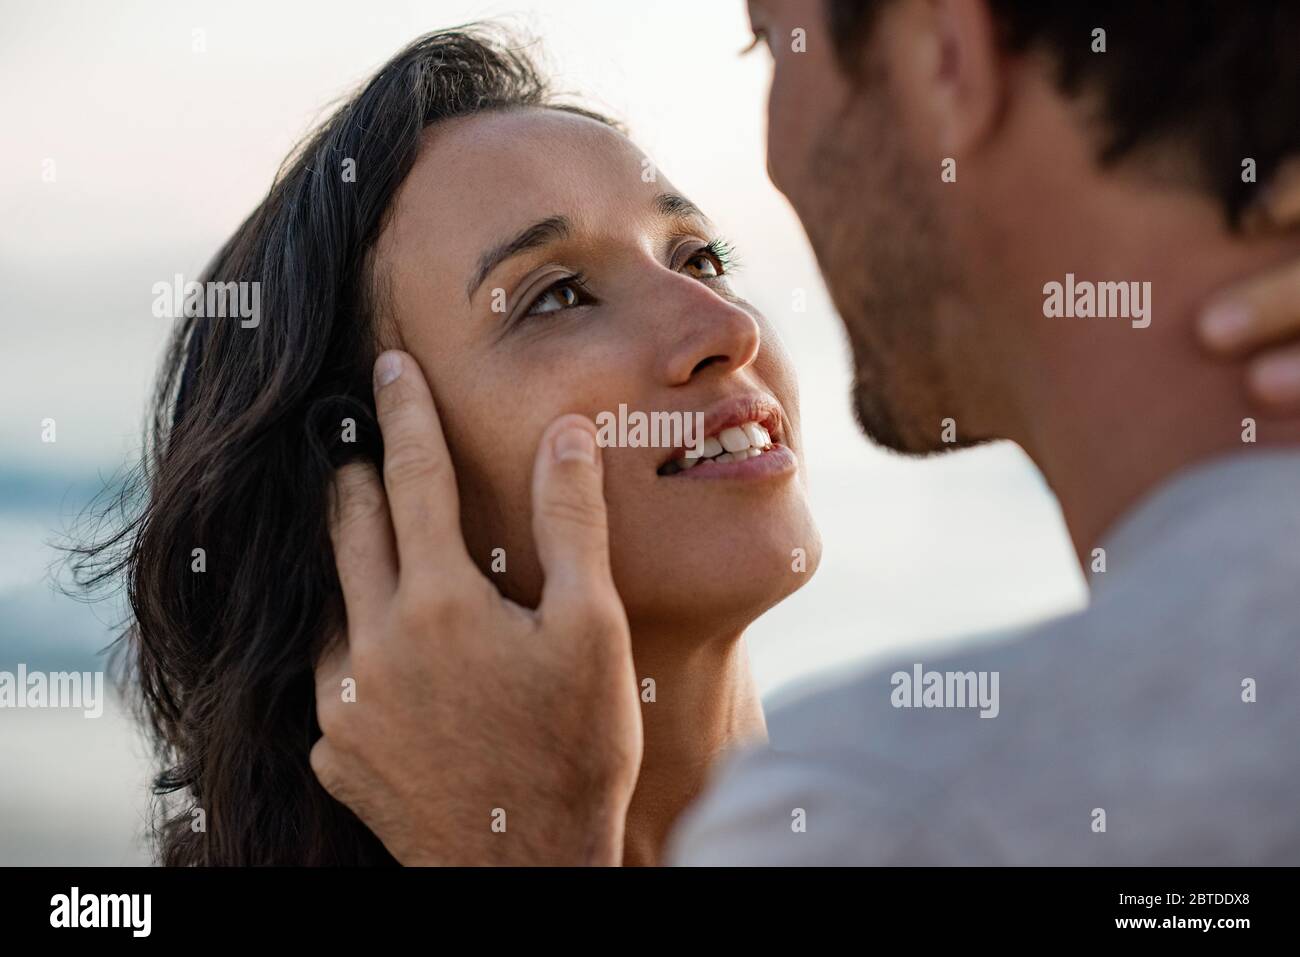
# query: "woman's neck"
705, 702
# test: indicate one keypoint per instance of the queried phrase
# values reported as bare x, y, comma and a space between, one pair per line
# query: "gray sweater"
1161, 725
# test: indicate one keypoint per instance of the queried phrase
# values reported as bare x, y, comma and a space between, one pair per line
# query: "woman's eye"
704, 265
565, 294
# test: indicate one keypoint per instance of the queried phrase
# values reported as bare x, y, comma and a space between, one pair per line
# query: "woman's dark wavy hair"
243, 439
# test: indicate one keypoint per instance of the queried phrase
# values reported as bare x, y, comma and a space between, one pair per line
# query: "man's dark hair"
1217, 78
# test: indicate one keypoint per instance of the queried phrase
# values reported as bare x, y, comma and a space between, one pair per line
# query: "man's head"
949, 157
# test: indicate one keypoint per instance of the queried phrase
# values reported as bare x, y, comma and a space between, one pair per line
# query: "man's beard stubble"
881, 250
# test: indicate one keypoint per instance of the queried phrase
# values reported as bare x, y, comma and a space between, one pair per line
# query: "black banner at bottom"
271, 905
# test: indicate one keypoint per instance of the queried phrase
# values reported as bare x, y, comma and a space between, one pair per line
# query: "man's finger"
364, 552
1258, 312
569, 520
418, 474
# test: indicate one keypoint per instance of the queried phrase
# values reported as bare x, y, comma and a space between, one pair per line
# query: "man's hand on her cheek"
460, 727
1262, 314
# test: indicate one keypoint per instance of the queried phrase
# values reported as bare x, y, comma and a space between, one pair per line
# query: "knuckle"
361, 506
324, 765
608, 608
605, 617
352, 477
441, 609
595, 620
365, 669
330, 771
409, 463
328, 716
576, 508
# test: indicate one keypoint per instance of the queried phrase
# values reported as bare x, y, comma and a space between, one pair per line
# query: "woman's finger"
1274, 378
1282, 195
363, 543
1277, 208
418, 475
1258, 312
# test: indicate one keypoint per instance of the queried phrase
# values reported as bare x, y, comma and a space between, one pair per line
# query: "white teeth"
735, 444
733, 439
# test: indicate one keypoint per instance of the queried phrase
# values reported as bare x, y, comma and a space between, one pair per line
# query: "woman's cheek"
494, 491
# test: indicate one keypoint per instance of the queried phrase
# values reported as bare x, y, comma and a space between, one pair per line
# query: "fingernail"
1277, 380
1225, 323
387, 368
573, 445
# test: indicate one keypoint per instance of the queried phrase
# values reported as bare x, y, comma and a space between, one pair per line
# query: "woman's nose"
709, 332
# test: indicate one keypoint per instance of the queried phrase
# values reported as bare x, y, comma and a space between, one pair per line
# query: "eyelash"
721, 250
576, 281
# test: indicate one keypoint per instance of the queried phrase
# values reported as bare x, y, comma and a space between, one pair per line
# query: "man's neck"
705, 703
1109, 411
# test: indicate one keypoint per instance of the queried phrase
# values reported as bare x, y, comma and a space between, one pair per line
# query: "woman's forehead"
480, 179
487, 172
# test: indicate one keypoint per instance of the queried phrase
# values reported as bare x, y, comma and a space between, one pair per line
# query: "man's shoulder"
832, 714
1156, 726
1166, 712
1198, 588
1188, 762
852, 773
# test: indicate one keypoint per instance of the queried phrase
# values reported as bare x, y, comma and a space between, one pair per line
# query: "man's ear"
968, 81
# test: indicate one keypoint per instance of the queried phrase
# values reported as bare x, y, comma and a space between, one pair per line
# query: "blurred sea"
73, 790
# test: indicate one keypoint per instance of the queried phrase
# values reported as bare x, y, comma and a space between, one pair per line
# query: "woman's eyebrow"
555, 228
549, 230
678, 207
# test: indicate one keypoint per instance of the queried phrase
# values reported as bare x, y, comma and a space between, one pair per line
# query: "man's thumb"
569, 521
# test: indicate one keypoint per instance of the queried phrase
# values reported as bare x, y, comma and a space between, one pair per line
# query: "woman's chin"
709, 590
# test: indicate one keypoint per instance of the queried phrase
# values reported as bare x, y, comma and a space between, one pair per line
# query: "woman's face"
498, 216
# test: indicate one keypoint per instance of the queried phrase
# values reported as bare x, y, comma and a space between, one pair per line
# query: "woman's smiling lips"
775, 460
742, 441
